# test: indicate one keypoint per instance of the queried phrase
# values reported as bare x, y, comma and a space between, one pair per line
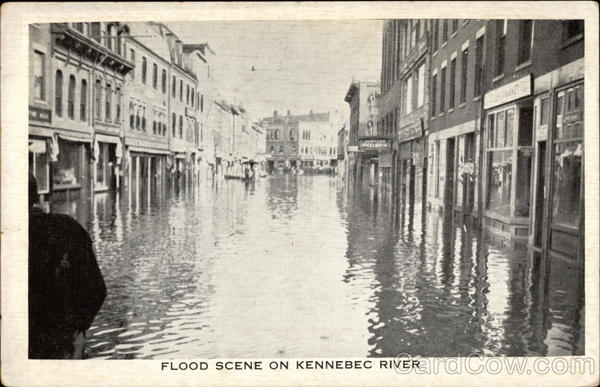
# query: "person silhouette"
66, 286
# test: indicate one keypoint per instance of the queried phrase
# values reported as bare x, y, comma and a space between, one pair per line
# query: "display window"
39, 165
568, 158
67, 169
508, 173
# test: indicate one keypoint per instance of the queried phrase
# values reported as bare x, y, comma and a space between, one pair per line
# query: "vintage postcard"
334, 193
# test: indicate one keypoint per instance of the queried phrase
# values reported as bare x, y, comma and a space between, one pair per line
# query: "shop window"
83, 101
544, 111
71, 97
499, 181
525, 126
523, 188
67, 170
567, 184
39, 165
39, 83
58, 93
101, 164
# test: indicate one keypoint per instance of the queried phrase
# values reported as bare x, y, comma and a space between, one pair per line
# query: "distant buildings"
305, 142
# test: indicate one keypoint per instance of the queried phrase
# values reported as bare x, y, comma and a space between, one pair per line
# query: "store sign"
510, 92
411, 131
541, 133
39, 114
374, 144
352, 148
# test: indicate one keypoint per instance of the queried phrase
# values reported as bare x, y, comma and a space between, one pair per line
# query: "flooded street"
294, 266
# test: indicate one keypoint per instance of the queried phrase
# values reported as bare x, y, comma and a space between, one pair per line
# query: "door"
539, 217
450, 168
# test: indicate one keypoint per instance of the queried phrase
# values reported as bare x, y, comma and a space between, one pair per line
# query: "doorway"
539, 218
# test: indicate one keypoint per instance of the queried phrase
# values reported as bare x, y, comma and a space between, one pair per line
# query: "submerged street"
296, 266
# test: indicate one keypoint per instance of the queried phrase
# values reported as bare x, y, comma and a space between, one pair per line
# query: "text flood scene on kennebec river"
292, 189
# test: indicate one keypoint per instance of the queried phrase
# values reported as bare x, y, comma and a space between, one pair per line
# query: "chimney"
289, 113
274, 113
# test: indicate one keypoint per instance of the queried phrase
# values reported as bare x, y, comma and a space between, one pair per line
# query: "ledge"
497, 78
523, 65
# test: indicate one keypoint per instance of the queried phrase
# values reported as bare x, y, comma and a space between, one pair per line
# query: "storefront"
410, 168
370, 148
557, 225
508, 159
107, 152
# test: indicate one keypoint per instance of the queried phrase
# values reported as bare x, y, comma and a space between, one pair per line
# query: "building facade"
533, 143
404, 105
457, 61
364, 143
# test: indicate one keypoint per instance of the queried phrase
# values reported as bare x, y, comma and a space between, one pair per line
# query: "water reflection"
234, 269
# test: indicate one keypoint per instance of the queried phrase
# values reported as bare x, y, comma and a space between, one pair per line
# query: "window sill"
434, 53
523, 65
497, 78
477, 98
444, 44
450, 110
441, 114
101, 188
432, 118
462, 105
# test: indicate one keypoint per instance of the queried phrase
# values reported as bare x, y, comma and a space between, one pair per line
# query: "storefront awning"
108, 139
75, 137
148, 150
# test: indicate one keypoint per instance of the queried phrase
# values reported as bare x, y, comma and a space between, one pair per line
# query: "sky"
298, 65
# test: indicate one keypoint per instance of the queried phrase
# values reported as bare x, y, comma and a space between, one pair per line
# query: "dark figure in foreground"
66, 288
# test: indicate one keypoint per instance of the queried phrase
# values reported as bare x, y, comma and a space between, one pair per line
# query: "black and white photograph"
370, 188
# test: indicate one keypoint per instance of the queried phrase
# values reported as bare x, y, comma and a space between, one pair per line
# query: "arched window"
58, 93
164, 81
118, 105
71, 97
83, 101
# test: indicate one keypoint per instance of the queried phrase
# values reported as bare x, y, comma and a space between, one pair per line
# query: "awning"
179, 156
148, 150
75, 137
109, 139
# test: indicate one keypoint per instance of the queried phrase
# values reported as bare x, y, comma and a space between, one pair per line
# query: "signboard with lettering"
412, 131
39, 114
352, 148
510, 92
374, 144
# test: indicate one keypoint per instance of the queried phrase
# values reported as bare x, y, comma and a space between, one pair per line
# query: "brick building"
456, 96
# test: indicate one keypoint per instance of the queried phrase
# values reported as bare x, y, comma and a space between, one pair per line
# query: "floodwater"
295, 266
